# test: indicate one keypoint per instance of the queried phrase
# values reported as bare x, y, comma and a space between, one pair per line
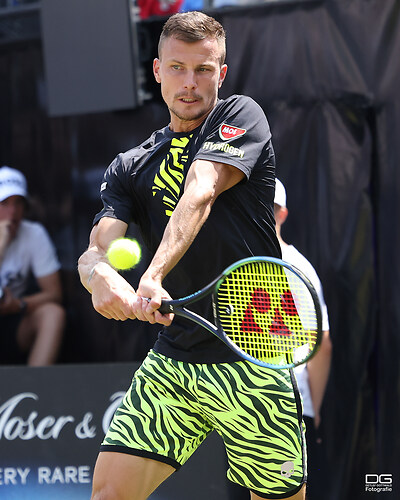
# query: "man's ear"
222, 74
156, 70
281, 214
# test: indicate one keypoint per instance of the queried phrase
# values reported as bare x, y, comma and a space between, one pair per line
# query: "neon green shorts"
172, 406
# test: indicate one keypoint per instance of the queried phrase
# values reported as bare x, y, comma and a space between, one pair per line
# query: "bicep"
212, 176
105, 231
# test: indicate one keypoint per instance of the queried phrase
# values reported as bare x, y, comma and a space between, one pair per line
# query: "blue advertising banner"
52, 421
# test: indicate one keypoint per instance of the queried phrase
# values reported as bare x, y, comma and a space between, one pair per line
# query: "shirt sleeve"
44, 257
237, 133
114, 192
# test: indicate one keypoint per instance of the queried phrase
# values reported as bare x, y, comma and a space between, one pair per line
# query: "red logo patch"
228, 132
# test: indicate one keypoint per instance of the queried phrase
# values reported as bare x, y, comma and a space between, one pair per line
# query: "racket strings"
268, 312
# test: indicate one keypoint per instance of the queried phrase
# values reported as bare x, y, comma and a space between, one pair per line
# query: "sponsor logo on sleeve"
229, 132
224, 147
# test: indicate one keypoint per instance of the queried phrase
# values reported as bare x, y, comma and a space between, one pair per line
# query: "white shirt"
31, 251
291, 255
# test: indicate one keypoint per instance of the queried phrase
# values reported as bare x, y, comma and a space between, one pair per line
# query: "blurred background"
76, 88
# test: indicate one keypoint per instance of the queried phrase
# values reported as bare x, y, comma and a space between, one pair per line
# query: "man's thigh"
258, 413
123, 476
159, 417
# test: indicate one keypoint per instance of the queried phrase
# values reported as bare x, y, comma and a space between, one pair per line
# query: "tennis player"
201, 191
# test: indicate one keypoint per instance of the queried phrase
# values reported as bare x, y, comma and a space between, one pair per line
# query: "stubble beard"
189, 117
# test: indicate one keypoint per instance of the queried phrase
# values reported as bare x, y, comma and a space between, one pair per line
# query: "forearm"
318, 371
50, 290
112, 296
88, 265
205, 181
94, 260
185, 223
37, 299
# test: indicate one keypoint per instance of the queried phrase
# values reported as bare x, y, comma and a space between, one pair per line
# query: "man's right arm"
112, 296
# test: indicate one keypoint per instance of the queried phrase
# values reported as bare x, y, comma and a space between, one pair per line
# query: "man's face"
12, 210
190, 75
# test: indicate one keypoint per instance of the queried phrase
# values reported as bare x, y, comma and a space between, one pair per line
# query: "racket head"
268, 312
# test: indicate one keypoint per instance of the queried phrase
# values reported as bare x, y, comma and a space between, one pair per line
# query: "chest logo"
228, 132
168, 180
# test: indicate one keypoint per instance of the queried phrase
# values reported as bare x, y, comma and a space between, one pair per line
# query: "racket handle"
166, 307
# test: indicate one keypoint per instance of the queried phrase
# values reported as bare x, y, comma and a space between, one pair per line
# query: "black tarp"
327, 73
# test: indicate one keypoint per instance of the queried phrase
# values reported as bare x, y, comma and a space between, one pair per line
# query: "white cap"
12, 183
280, 193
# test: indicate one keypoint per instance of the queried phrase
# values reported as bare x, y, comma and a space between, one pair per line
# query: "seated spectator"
312, 377
31, 322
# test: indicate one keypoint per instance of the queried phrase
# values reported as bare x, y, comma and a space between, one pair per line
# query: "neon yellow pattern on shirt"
169, 178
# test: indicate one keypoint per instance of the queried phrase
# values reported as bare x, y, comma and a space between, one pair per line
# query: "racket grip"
166, 307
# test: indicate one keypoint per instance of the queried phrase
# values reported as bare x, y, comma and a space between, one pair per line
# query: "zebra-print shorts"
172, 406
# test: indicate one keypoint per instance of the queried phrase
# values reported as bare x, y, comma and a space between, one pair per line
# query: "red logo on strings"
261, 302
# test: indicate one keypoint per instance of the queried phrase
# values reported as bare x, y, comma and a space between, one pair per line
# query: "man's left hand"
147, 310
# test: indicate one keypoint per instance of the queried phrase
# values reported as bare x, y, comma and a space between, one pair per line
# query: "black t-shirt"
144, 185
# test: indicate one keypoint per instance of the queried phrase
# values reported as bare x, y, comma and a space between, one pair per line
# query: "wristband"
91, 274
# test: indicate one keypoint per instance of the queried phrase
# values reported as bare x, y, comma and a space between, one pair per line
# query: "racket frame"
178, 307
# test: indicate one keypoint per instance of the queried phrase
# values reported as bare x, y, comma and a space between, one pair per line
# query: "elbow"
202, 197
81, 261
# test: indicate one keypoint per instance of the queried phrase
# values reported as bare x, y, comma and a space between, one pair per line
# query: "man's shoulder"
132, 156
240, 111
237, 101
155, 138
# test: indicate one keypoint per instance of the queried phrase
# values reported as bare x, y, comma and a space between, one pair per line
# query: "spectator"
31, 318
312, 377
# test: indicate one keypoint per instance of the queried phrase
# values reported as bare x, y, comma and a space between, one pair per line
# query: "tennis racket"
264, 309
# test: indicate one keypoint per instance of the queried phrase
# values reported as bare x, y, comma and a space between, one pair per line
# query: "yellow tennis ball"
124, 253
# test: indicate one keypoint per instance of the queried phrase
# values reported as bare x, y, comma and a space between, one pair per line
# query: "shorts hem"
141, 453
280, 495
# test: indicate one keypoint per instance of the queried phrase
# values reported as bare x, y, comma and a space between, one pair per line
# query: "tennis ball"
124, 253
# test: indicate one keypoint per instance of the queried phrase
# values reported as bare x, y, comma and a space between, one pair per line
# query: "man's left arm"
205, 181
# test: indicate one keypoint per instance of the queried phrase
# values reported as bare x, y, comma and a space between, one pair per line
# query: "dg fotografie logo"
378, 482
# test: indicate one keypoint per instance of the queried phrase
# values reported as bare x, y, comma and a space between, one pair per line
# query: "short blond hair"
192, 27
